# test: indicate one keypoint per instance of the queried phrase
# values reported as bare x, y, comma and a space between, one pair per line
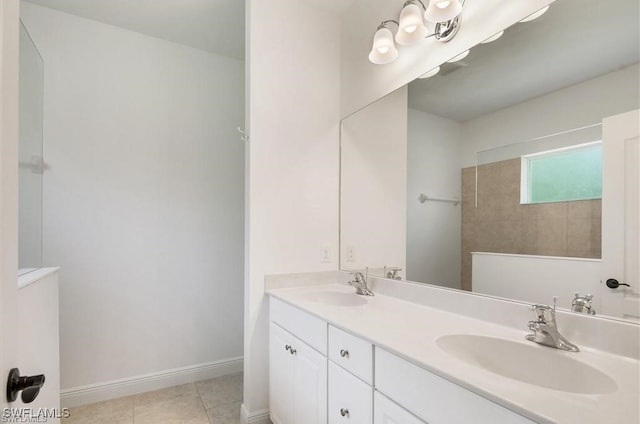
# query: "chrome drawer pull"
344, 412
344, 353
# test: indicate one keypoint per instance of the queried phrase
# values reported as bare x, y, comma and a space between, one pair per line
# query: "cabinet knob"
292, 350
344, 353
287, 347
344, 412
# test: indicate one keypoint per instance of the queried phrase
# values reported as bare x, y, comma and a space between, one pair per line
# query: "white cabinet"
320, 374
297, 381
389, 412
351, 353
433, 398
350, 399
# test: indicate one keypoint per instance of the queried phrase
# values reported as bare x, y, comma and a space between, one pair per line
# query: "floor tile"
225, 414
162, 395
187, 409
115, 411
221, 391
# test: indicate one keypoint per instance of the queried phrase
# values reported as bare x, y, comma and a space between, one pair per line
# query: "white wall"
373, 193
364, 82
572, 107
294, 100
536, 279
143, 198
433, 228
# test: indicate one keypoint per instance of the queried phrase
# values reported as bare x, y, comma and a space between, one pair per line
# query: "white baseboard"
144, 383
257, 417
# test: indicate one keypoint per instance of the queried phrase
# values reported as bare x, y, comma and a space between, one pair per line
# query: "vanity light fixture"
411, 27
430, 73
446, 14
535, 15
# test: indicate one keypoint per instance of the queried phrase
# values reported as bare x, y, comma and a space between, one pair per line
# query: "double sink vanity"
340, 357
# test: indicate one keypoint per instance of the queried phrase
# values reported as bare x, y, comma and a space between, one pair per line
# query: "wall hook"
244, 136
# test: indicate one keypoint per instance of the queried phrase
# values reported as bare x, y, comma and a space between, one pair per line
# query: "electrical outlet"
351, 254
325, 258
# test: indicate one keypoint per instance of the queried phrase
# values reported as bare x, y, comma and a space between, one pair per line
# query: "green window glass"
567, 174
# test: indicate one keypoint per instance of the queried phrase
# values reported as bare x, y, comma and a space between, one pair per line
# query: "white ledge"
557, 258
36, 275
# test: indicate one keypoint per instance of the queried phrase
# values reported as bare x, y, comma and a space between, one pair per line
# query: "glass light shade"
411, 29
536, 15
494, 37
459, 57
383, 50
442, 10
430, 73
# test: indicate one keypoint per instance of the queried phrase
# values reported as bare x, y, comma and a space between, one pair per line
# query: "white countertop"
410, 330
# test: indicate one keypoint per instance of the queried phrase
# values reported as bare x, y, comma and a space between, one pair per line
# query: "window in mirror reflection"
562, 174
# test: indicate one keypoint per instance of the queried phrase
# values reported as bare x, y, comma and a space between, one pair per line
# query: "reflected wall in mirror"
434, 171
30, 164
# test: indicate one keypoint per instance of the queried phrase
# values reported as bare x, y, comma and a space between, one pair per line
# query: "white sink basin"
336, 298
528, 363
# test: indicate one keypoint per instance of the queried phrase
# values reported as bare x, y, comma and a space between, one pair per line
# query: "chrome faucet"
582, 304
393, 273
545, 330
360, 283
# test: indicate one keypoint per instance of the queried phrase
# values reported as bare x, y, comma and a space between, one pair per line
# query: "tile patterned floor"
213, 401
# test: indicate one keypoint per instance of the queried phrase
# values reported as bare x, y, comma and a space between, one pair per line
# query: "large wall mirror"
487, 177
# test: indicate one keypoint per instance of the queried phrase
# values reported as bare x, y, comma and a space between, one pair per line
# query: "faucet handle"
540, 311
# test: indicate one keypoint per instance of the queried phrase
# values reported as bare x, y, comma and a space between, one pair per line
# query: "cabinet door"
280, 375
389, 412
309, 385
350, 399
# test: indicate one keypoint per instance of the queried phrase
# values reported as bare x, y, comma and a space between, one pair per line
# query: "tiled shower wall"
501, 224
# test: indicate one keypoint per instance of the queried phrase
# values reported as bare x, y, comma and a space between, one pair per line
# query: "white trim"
558, 258
144, 383
35, 275
257, 417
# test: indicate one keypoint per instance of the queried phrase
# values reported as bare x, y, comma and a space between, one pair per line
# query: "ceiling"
216, 26
574, 41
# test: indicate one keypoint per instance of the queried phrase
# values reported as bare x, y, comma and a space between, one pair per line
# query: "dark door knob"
30, 386
612, 283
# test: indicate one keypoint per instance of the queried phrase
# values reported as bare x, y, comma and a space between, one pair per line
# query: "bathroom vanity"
337, 357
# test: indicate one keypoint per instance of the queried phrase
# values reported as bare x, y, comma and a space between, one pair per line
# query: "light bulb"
383, 49
443, 10
411, 27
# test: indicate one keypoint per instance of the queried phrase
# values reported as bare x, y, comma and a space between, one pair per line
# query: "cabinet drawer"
433, 398
304, 326
351, 353
350, 399
387, 411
